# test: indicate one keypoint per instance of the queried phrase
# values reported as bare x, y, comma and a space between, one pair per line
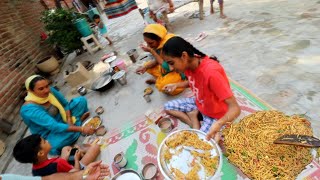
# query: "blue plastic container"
91, 12
83, 27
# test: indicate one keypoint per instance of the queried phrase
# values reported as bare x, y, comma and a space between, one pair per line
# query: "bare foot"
85, 116
222, 16
211, 10
151, 81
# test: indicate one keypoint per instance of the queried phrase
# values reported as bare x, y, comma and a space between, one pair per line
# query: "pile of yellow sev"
249, 145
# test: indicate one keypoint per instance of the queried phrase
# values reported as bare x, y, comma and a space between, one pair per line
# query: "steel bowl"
165, 125
103, 83
149, 171
99, 110
101, 131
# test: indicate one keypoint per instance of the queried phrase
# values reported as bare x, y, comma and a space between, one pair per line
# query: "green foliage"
59, 23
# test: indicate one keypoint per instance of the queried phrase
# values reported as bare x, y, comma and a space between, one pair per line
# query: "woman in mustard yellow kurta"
156, 35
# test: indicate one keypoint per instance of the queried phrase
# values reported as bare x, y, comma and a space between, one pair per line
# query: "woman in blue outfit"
48, 113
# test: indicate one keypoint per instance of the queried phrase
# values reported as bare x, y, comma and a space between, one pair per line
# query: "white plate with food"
110, 59
186, 154
93, 122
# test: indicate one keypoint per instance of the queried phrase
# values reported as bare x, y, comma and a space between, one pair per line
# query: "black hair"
152, 36
176, 45
96, 16
34, 81
26, 150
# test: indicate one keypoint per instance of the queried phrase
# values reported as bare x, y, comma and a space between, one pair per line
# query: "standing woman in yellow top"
156, 35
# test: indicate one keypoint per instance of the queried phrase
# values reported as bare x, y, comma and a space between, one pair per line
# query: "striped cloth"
118, 8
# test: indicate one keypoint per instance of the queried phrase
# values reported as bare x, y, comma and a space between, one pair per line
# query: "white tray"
184, 158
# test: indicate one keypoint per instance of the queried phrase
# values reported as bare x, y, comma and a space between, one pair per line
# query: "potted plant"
59, 23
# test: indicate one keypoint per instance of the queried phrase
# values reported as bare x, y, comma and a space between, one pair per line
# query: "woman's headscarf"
51, 98
160, 31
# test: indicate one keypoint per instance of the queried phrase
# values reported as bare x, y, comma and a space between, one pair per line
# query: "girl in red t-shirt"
209, 83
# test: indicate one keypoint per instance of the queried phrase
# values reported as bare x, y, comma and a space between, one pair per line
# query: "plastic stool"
91, 49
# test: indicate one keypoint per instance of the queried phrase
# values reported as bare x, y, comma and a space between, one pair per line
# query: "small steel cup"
149, 171
82, 90
122, 80
133, 55
101, 131
147, 97
99, 110
120, 160
165, 125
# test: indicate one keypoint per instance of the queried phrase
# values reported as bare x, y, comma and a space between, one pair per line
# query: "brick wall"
20, 49
64, 3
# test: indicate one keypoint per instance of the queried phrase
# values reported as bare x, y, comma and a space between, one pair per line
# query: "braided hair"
175, 46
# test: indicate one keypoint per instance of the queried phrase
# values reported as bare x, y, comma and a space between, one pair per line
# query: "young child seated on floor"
34, 149
101, 27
